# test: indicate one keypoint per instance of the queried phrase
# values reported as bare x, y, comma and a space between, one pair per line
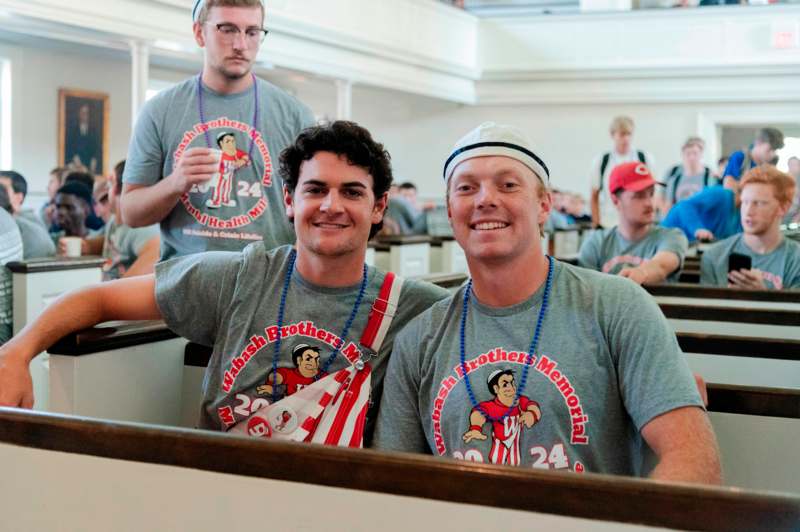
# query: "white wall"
36, 76
419, 132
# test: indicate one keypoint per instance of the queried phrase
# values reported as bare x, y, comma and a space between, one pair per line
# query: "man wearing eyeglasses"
174, 161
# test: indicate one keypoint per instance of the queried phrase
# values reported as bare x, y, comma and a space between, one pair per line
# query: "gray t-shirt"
230, 301
409, 220
781, 267
244, 202
123, 245
10, 250
607, 363
680, 186
608, 252
36, 241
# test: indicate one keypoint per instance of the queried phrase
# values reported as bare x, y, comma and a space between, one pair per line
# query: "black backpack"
607, 158
676, 172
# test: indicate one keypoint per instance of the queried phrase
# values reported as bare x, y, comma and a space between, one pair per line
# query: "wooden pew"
37, 282
757, 429
407, 255
118, 370
743, 360
692, 294
733, 320
98, 475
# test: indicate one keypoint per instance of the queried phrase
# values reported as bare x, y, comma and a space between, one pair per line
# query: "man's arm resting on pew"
654, 271
685, 445
125, 299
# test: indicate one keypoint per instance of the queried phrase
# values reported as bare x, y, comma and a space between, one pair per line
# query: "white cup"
72, 246
212, 181
217, 154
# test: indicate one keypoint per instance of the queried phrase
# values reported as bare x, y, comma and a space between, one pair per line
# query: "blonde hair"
783, 184
202, 16
621, 123
694, 141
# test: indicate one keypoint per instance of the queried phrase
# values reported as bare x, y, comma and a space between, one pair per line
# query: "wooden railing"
739, 346
710, 292
55, 264
589, 496
731, 314
112, 335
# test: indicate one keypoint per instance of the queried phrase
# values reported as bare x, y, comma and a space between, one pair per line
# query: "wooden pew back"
438, 493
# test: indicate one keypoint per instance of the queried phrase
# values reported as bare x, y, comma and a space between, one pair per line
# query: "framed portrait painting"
83, 129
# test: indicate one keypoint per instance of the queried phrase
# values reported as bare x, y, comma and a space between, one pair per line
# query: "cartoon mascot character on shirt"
506, 424
290, 380
232, 159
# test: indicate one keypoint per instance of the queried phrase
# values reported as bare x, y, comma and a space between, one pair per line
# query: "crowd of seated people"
645, 237
84, 206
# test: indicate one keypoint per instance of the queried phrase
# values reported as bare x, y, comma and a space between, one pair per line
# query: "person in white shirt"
621, 130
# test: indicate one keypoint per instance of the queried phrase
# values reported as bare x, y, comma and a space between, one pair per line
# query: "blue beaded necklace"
531, 350
339, 342
201, 112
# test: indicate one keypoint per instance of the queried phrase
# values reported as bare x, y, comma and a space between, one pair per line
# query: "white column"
140, 75
344, 99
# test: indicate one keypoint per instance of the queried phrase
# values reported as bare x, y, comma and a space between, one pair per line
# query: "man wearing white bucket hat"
177, 176
535, 362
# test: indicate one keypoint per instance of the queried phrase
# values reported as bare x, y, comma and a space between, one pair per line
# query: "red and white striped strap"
382, 313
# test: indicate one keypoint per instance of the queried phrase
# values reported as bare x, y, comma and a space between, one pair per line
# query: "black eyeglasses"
231, 32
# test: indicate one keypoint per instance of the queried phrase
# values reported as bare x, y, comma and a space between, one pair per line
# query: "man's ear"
288, 202
199, 38
545, 206
614, 199
380, 208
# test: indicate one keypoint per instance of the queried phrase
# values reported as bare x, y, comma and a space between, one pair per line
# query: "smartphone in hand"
737, 261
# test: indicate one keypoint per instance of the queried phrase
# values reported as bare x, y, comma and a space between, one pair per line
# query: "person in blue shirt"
712, 214
768, 141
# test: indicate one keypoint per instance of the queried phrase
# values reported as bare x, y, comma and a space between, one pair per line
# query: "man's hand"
196, 166
747, 279
637, 275
704, 235
473, 434
16, 387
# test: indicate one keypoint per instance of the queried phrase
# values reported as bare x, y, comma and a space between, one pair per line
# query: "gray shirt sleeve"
36, 240
137, 237
654, 377
712, 272
398, 427
193, 293
792, 275
145, 162
673, 240
589, 254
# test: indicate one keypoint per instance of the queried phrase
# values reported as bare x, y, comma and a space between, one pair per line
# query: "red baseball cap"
633, 176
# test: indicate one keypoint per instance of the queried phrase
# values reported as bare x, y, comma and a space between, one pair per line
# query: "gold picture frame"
83, 129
